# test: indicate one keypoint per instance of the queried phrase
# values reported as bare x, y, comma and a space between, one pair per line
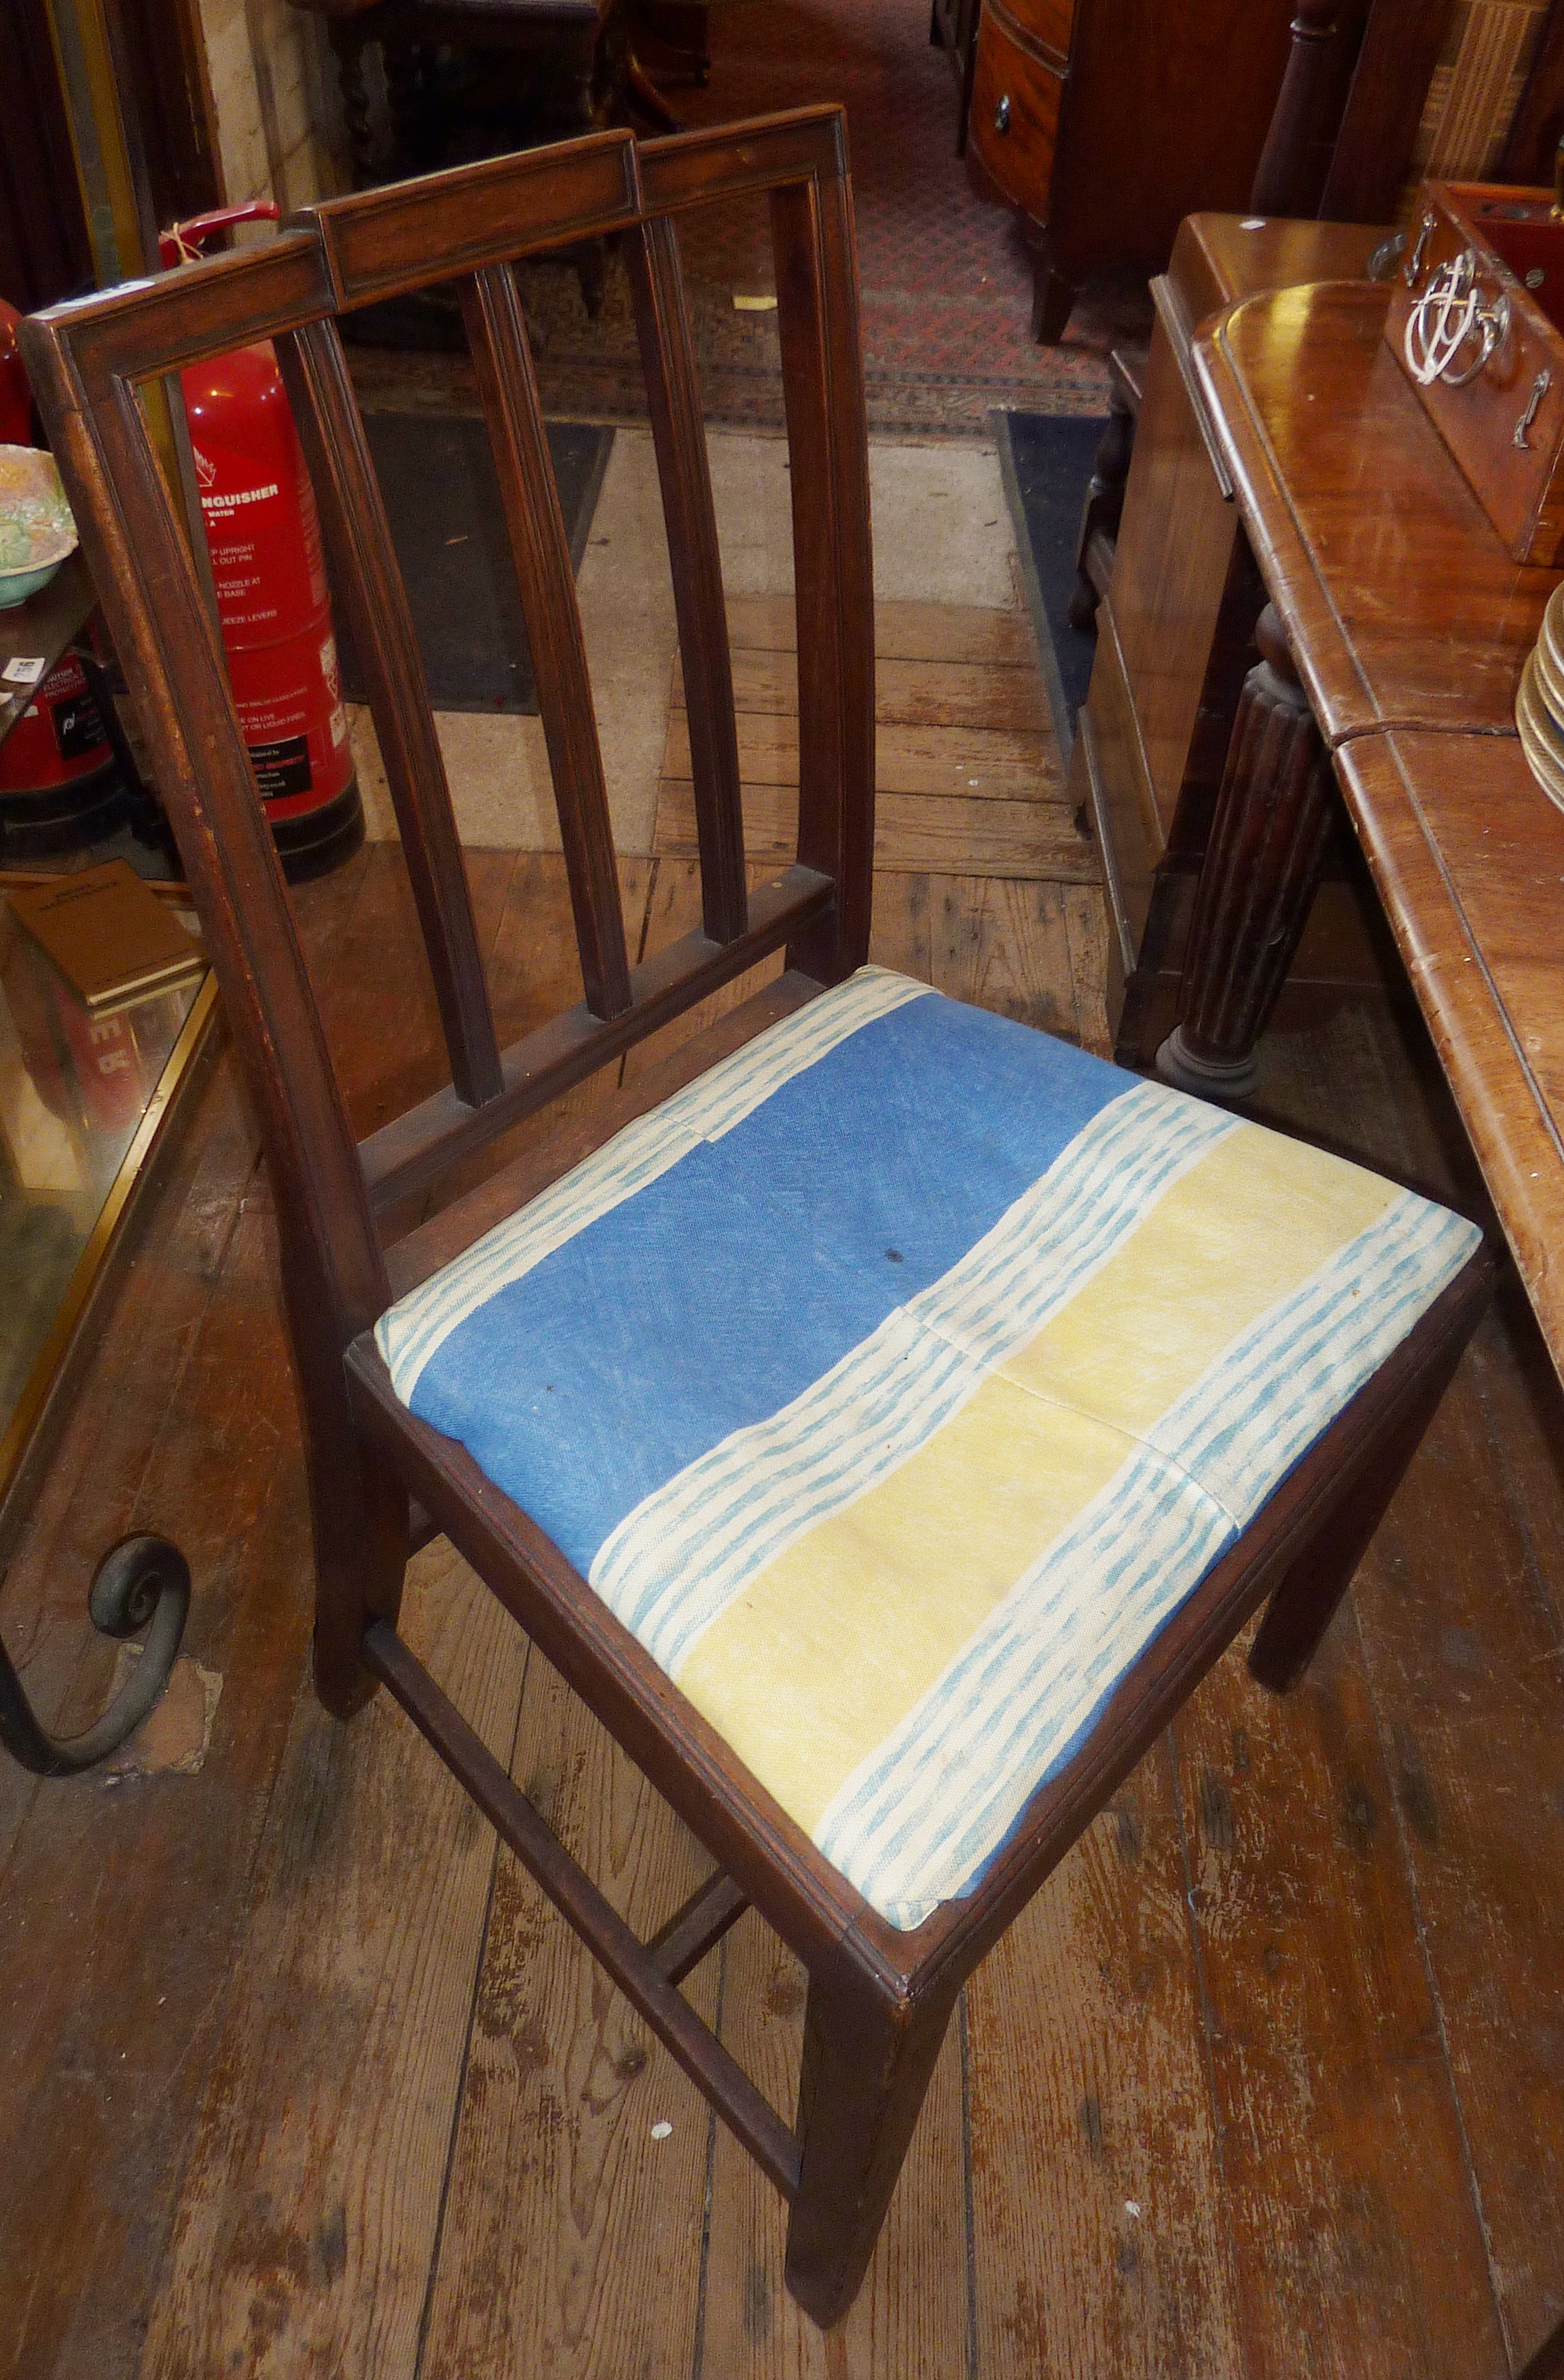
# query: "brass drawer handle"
1001, 114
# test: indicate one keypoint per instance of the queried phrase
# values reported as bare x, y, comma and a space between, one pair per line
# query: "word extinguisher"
263, 534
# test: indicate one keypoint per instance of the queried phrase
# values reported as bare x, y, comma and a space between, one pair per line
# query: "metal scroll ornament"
1447, 320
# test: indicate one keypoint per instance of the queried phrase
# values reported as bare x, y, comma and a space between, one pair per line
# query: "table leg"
1547, 2363
1268, 841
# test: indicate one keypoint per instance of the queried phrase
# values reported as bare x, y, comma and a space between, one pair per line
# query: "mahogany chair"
929, 1403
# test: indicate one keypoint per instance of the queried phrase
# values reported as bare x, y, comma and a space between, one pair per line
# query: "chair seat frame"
381, 1482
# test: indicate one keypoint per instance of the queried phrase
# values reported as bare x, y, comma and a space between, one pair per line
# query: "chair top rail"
379, 243
328, 259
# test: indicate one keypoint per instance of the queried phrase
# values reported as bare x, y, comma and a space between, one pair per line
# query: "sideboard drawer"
1015, 122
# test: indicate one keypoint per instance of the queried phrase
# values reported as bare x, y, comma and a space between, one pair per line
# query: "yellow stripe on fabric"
831, 1645
824, 1652
1242, 1229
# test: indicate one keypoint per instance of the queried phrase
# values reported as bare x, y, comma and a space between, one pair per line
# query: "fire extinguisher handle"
182, 241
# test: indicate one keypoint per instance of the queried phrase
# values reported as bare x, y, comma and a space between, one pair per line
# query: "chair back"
88, 362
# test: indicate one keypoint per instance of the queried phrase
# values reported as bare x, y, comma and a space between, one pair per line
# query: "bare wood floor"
301, 2078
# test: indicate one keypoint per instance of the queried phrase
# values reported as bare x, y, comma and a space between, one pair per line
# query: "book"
108, 934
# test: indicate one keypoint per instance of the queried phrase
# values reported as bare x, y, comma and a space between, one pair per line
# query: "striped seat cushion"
896, 1381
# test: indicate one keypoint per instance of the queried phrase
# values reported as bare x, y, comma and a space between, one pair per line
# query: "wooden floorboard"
958, 695
989, 763
936, 632
310, 2211
1472, 1654
914, 834
574, 2222
1354, 2226
1091, 2106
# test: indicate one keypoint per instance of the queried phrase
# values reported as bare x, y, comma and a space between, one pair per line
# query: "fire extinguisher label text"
241, 497
282, 767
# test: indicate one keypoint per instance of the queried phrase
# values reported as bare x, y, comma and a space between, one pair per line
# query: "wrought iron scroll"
140, 1580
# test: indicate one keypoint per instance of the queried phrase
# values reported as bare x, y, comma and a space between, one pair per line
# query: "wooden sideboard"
1379, 714
1104, 122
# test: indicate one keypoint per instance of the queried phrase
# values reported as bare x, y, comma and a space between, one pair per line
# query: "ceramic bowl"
36, 528
1540, 739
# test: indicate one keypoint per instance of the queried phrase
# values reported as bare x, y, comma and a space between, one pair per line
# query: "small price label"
19, 671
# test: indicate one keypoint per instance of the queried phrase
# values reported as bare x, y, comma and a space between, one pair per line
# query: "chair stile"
879, 2000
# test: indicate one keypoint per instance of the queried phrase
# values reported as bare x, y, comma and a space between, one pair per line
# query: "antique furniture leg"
1267, 843
1547, 2363
1104, 506
1304, 1605
138, 1580
863, 2078
1053, 296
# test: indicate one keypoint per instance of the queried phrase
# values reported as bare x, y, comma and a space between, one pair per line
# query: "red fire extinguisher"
263, 534
60, 785
16, 396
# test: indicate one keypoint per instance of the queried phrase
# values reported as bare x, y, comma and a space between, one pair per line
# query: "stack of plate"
1539, 705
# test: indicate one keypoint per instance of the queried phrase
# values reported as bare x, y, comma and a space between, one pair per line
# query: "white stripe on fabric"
1246, 1422
411, 1332
924, 1811
675, 1563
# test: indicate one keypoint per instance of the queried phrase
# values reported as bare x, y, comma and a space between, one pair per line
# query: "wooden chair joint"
697, 1926
408, 1154
633, 1964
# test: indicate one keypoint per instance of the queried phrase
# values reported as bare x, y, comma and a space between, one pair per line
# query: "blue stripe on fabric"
713, 1104
679, 1560
727, 1285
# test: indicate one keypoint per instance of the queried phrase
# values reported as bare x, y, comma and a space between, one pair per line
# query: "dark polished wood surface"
1468, 854
1405, 608
1409, 623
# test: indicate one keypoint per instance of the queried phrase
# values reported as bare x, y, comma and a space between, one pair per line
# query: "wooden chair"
924, 1083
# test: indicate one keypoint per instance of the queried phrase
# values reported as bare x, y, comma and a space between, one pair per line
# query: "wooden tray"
1499, 400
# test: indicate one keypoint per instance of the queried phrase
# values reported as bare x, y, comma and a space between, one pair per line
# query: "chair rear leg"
866, 2069
1306, 1601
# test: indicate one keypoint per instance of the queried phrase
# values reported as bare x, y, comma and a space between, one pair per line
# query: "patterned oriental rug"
946, 281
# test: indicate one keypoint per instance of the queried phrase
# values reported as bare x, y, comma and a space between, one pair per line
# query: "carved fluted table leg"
1268, 843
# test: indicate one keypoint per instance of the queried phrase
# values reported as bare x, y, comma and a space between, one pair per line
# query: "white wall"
274, 88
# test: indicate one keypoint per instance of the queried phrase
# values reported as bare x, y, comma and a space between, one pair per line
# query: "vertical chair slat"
497, 336
679, 433
367, 580
818, 319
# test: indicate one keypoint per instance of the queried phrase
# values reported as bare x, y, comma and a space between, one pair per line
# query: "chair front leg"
359, 1522
866, 2066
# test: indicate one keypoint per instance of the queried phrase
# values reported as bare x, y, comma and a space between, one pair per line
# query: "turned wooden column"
1296, 156
1268, 843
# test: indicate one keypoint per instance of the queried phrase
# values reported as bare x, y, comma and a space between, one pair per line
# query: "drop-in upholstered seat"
1021, 1344
887, 1427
